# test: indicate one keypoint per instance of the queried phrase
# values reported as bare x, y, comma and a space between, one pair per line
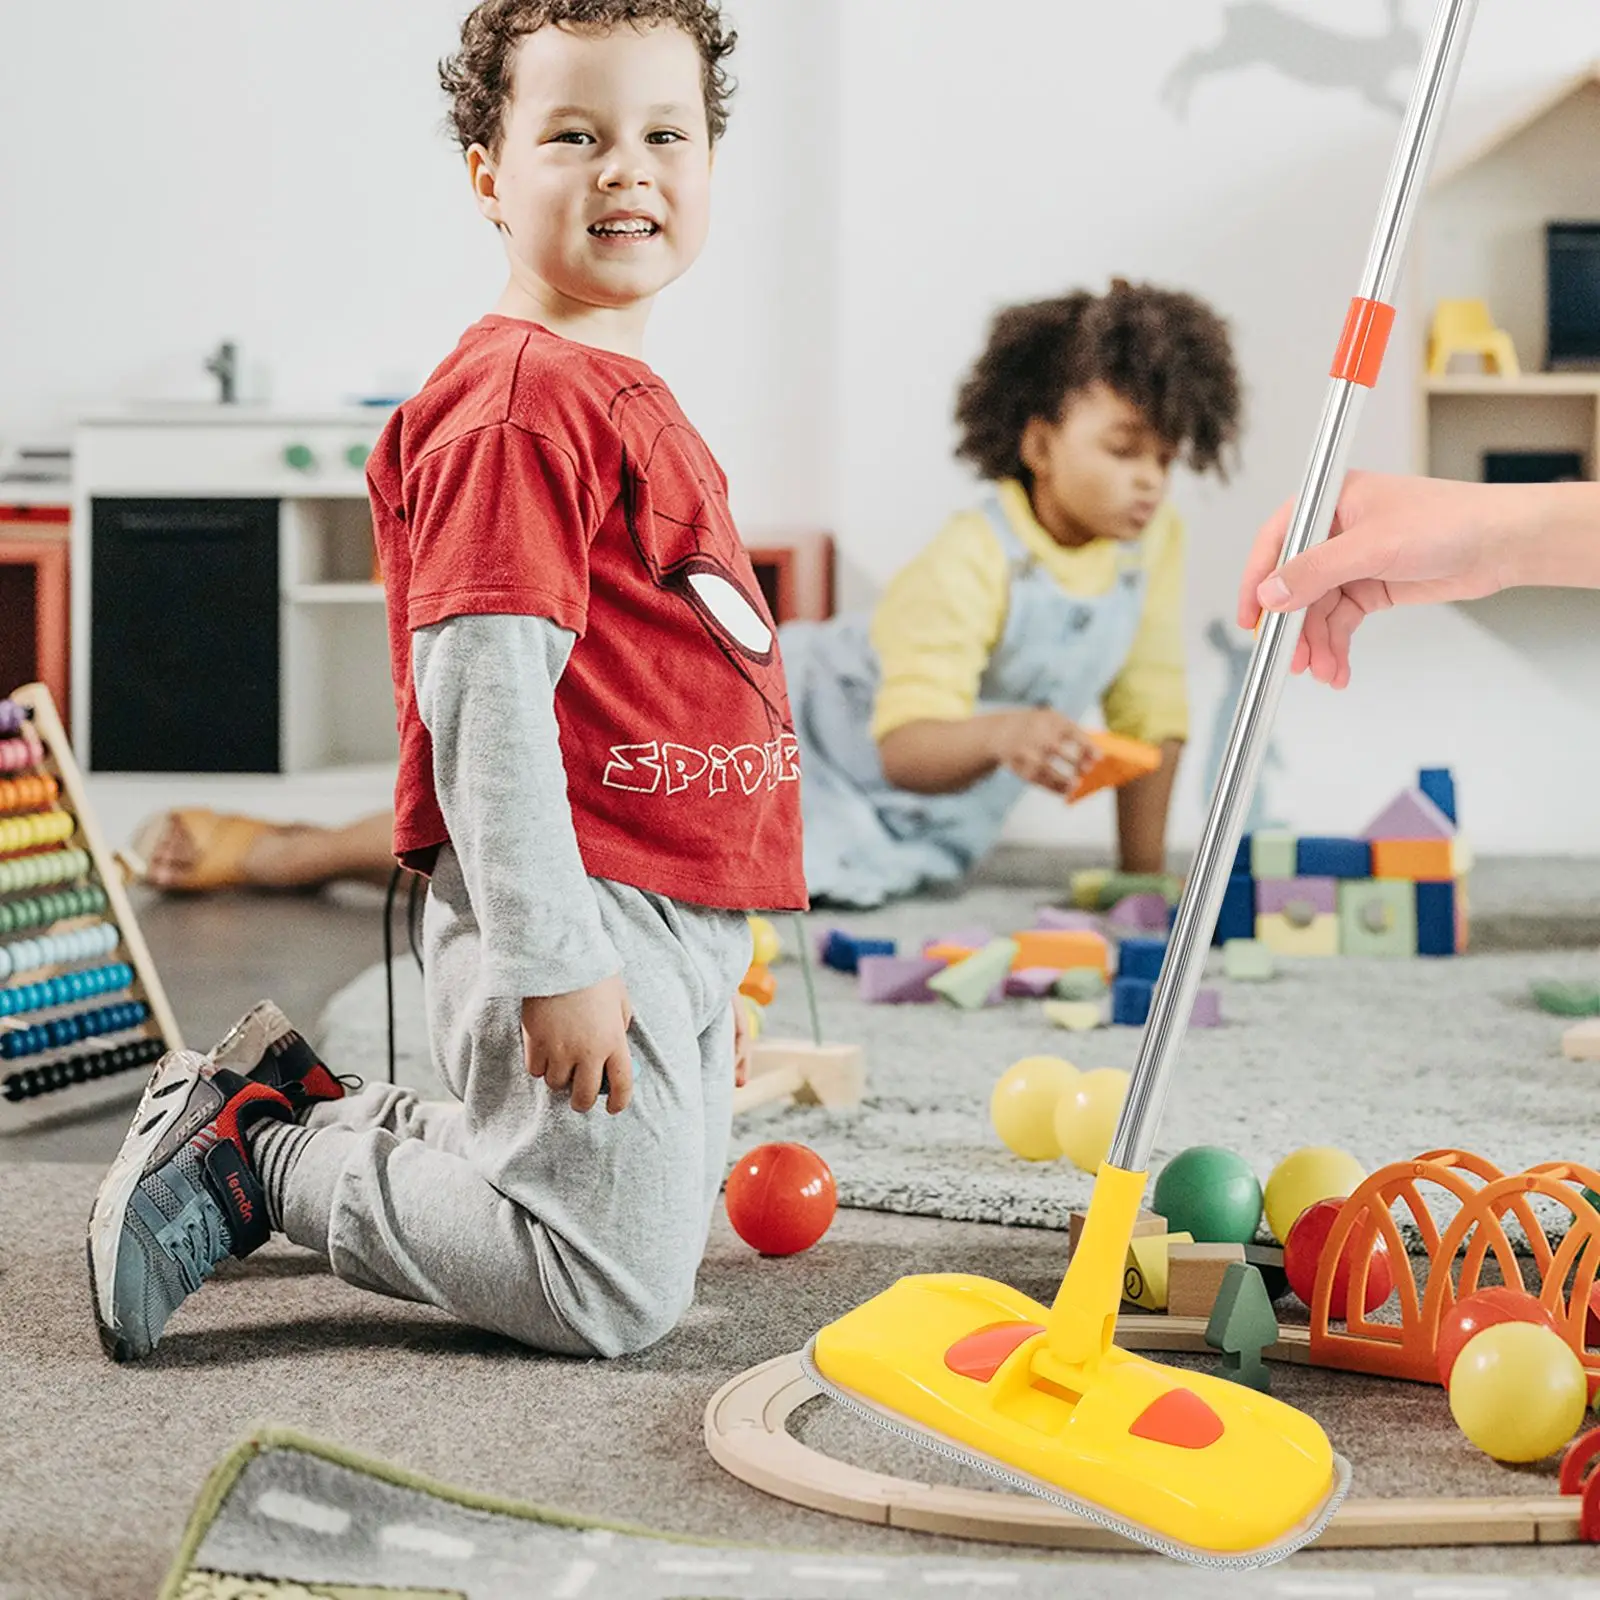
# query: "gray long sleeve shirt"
486, 692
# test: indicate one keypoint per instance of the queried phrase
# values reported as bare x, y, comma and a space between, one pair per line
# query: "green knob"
299, 457
357, 455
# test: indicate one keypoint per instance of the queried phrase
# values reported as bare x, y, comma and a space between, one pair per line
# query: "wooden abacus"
82, 1013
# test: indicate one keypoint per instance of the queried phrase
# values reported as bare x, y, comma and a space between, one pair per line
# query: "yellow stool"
1464, 327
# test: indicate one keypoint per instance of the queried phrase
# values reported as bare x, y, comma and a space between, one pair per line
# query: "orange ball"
1484, 1309
781, 1198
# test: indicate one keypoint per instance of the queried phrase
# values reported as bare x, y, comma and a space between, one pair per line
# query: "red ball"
1483, 1309
1302, 1254
781, 1198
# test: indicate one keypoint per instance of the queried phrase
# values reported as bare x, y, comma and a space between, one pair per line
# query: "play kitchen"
223, 590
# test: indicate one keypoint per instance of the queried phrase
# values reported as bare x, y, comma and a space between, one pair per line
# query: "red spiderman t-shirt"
536, 476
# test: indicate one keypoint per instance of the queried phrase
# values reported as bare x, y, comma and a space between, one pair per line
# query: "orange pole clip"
1365, 338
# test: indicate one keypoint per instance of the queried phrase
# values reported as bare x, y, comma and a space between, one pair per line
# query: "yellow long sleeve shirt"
943, 614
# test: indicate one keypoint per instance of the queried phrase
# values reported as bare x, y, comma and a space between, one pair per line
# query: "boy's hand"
1041, 746
741, 1044
571, 1040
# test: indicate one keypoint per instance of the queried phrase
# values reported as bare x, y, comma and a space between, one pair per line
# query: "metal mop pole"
1355, 370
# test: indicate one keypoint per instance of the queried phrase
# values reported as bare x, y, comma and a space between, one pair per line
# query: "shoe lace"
195, 1242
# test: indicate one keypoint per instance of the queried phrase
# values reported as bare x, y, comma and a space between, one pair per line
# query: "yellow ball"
764, 937
1023, 1105
1319, 1172
1518, 1391
1087, 1116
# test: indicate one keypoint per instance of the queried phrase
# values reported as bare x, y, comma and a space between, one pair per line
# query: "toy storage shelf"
1528, 385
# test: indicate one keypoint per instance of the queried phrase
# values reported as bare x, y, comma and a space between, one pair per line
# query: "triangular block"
970, 983
1114, 761
1410, 815
896, 980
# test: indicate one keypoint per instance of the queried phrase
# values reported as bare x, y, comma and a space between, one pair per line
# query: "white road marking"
975, 1580
599, 1538
574, 1580
1459, 1591
426, 1542
702, 1567
1326, 1589
839, 1574
295, 1509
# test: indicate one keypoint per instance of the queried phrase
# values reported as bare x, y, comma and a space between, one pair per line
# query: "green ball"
1211, 1194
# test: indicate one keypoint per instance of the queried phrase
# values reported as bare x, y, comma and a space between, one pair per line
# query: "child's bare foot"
197, 851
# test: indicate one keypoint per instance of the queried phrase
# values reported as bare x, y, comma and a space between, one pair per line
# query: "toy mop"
1194, 1466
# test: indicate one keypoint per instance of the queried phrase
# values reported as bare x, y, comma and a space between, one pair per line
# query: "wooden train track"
746, 1431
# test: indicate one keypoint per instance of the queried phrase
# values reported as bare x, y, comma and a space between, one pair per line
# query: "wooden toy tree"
1242, 1325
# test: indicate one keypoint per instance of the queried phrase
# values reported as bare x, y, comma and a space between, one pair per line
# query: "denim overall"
867, 841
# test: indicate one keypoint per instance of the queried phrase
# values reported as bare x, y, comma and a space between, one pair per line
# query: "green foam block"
1568, 999
969, 983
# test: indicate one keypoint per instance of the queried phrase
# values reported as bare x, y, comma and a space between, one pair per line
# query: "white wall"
181, 171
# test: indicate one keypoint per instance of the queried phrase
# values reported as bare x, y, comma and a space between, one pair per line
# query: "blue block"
1439, 784
843, 951
1436, 919
1241, 856
1141, 958
1237, 917
1130, 1002
1332, 858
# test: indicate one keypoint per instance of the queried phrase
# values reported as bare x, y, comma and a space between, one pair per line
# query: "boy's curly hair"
478, 77
1165, 352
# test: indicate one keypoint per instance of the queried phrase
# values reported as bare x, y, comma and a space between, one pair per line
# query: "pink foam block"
1052, 919
973, 938
1274, 894
1410, 815
1031, 983
897, 980
1207, 1012
1143, 913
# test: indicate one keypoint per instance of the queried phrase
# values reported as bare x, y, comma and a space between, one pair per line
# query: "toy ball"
1486, 1308
781, 1198
1318, 1172
1086, 1116
1023, 1105
766, 945
1307, 1243
1518, 1391
1211, 1194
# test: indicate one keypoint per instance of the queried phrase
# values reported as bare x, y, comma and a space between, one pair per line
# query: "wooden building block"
1144, 1278
970, 983
1420, 860
1581, 1042
1194, 1275
1061, 948
1077, 1016
1273, 854
1280, 935
1377, 917
831, 1075
1146, 1224
1247, 961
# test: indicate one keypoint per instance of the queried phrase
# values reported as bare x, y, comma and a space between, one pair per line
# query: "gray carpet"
1385, 1058
100, 1465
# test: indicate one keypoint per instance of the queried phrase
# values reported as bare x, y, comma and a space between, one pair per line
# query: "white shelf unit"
1481, 235
336, 702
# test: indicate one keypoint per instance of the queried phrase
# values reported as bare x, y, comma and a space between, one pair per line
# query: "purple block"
1207, 1011
1410, 815
1031, 983
1140, 913
1051, 919
897, 980
1274, 894
973, 938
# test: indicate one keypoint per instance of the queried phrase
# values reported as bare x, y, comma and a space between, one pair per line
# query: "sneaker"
264, 1046
181, 1196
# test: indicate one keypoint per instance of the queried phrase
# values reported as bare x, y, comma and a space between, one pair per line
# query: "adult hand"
1396, 541
574, 1040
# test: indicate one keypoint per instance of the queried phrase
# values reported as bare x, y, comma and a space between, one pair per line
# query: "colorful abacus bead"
12, 717
16, 755
98, 939
40, 828
66, 989
52, 1075
34, 872
28, 794
41, 910
62, 1031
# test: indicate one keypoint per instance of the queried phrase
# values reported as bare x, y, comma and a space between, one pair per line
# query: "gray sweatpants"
578, 1233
